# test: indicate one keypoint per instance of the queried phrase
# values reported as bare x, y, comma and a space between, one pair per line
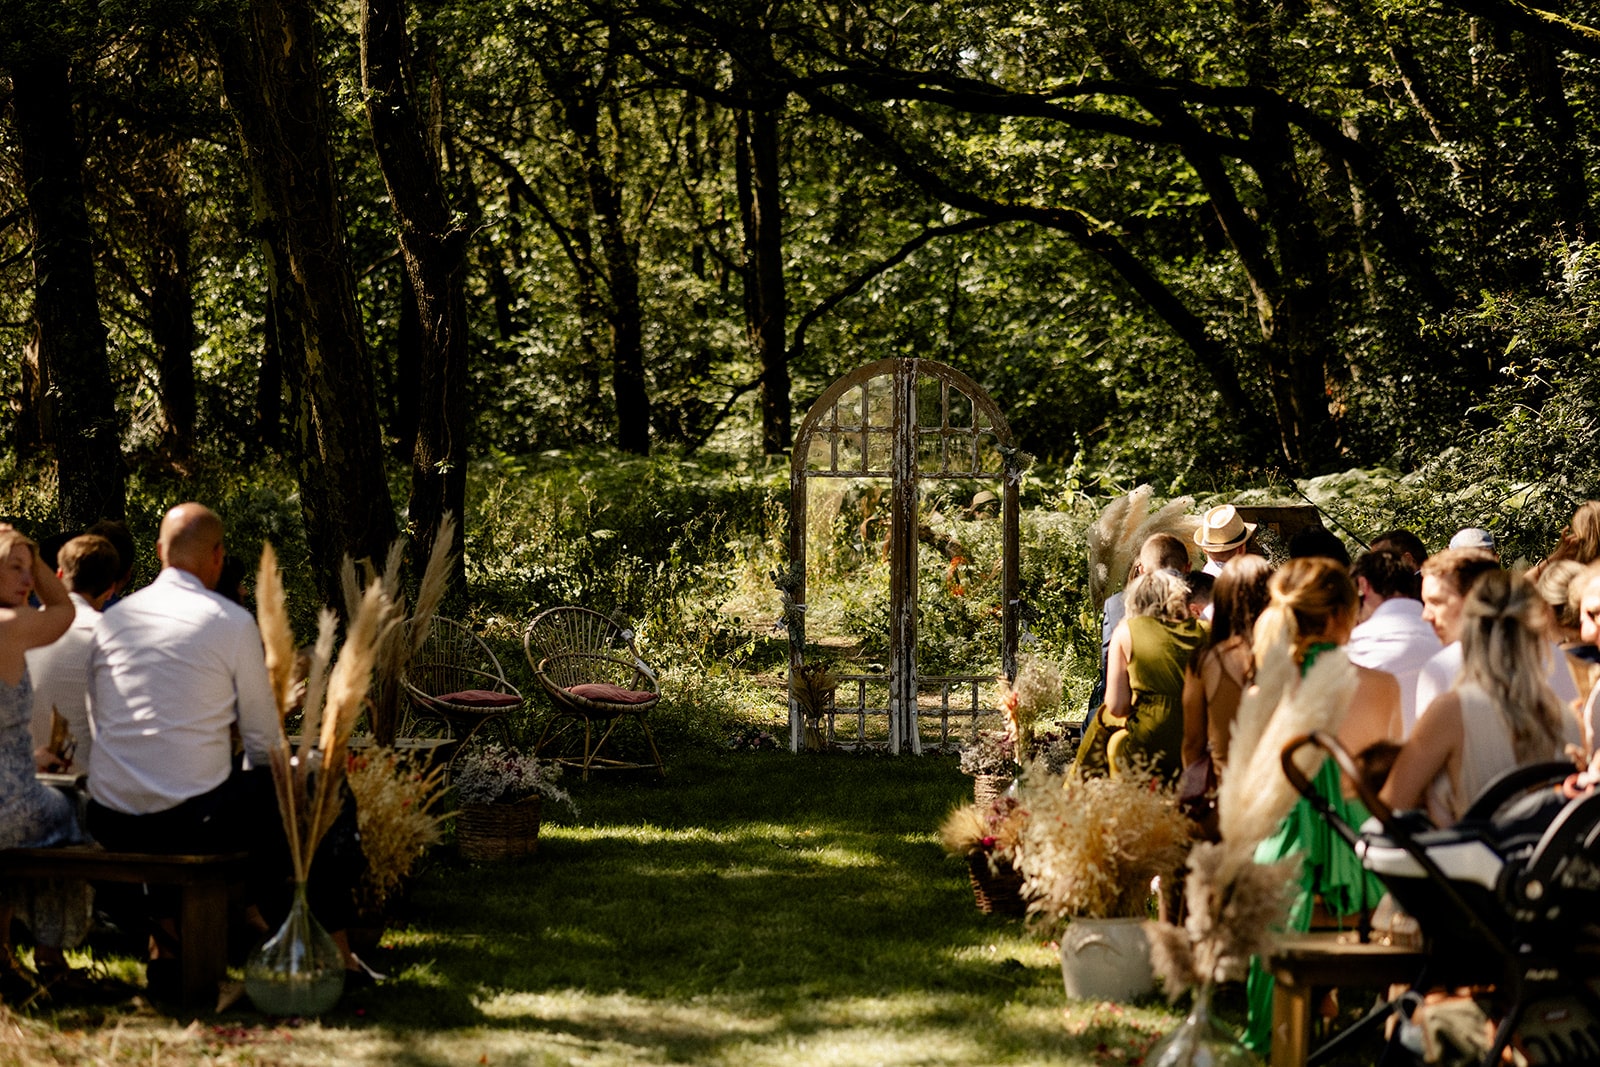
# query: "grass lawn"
753, 909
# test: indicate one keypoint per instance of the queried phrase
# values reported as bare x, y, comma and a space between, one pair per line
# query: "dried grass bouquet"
395, 799
494, 774
1036, 690
308, 778
992, 831
1092, 845
988, 752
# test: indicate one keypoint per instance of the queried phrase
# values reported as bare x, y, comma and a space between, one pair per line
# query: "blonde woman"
31, 815
1144, 675
1500, 714
1311, 613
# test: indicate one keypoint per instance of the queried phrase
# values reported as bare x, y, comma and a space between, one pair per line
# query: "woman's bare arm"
1426, 755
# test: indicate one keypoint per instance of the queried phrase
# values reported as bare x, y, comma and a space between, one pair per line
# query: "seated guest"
1312, 612
1500, 714
31, 815
1217, 676
1201, 586
1144, 682
1391, 636
1162, 551
1409, 547
1447, 578
117, 532
88, 566
174, 670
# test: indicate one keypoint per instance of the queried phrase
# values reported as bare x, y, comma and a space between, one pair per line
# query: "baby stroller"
1507, 900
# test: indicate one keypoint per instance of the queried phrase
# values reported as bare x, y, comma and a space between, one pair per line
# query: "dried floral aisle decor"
502, 794
815, 686
986, 837
396, 797
993, 757
299, 970
1088, 853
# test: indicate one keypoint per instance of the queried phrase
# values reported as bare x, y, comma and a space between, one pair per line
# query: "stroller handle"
1347, 765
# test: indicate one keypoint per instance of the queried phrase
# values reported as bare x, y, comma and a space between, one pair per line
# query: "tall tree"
433, 246
275, 89
71, 336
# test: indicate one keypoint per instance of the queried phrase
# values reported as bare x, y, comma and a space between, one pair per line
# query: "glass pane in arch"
930, 402
960, 408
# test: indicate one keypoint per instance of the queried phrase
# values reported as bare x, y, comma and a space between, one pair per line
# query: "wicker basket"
997, 892
498, 831
986, 787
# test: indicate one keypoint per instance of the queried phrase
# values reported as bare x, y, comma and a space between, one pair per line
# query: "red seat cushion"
606, 693
479, 698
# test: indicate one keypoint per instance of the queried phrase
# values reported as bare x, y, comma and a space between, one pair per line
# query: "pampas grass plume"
962, 831
277, 639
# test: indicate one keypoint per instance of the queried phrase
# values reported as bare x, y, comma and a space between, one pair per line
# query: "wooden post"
903, 729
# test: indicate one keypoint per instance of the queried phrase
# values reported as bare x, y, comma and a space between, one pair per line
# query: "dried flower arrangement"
1036, 690
494, 774
1055, 749
308, 780
992, 831
1092, 845
988, 752
395, 799
1235, 904
814, 685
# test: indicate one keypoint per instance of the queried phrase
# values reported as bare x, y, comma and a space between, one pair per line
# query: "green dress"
1329, 868
1161, 650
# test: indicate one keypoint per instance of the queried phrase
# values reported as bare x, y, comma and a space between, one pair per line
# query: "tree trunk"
434, 250
766, 302
30, 423
72, 338
171, 301
274, 87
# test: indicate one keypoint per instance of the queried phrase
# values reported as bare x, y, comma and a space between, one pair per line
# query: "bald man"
173, 669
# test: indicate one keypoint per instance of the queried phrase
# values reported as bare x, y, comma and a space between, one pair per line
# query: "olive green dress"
1160, 652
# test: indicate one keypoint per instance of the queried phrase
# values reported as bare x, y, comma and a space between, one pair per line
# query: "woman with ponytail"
1311, 613
1500, 714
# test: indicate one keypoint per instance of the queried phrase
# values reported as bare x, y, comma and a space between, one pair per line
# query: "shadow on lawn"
769, 878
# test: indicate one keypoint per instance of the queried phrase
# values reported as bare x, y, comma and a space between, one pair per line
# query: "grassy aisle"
753, 909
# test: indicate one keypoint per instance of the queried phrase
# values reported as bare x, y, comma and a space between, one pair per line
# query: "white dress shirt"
1394, 639
60, 674
1439, 674
171, 669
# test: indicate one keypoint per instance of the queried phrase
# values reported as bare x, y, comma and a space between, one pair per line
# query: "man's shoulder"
173, 596
1446, 661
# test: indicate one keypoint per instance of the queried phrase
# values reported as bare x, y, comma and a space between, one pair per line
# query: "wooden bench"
202, 882
1305, 963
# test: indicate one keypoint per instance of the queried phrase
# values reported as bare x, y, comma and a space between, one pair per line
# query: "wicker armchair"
593, 675
455, 681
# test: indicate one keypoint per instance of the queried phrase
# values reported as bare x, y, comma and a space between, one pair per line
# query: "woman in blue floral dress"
31, 815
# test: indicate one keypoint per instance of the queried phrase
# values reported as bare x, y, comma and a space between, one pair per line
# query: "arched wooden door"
907, 421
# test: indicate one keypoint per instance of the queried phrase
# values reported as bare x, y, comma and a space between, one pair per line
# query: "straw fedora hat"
1222, 528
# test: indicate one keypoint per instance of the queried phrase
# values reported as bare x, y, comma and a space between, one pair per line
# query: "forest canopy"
1199, 243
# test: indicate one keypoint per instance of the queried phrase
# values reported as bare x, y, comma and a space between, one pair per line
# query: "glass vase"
1200, 1041
297, 971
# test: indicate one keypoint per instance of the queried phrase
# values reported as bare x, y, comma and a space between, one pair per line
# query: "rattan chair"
455, 682
589, 668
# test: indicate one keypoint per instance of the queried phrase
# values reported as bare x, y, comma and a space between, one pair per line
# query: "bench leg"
1291, 1024
203, 933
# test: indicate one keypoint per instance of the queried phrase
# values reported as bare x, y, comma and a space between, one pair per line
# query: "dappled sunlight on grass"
786, 911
